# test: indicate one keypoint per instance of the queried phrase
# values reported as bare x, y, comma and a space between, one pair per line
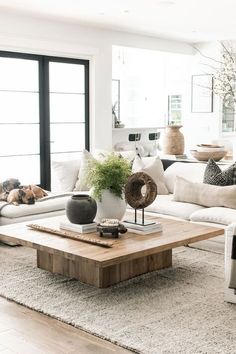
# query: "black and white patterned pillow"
214, 175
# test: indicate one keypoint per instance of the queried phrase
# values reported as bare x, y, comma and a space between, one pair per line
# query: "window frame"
44, 106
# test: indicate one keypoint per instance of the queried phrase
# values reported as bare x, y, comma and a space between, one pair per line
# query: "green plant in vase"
110, 174
107, 179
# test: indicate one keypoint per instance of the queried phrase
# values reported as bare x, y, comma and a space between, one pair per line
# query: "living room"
54, 54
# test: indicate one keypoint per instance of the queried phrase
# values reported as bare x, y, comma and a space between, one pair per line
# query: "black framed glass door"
44, 114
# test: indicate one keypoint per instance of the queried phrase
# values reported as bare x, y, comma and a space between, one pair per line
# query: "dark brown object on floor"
133, 190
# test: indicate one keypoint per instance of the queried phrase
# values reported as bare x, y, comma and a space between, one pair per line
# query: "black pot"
81, 209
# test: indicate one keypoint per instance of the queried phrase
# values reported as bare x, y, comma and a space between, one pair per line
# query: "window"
228, 117
174, 109
44, 114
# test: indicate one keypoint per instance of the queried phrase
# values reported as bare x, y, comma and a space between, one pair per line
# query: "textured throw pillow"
81, 183
204, 194
66, 173
214, 175
154, 169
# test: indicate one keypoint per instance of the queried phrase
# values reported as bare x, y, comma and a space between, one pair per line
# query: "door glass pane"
19, 139
67, 107
67, 110
18, 74
66, 156
19, 120
67, 137
65, 77
25, 168
16, 107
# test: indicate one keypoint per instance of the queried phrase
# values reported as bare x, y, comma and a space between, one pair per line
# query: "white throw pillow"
81, 183
204, 194
66, 173
154, 168
193, 172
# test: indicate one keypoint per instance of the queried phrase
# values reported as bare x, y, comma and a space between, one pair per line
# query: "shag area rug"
176, 310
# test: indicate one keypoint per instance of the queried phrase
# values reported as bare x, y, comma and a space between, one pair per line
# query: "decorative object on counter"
205, 156
116, 122
111, 228
72, 235
107, 179
136, 197
209, 147
173, 143
81, 209
204, 152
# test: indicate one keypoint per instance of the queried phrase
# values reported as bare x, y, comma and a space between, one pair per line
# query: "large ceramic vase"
110, 206
81, 209
173, 143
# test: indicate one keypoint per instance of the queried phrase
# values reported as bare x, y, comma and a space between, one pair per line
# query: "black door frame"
44, 106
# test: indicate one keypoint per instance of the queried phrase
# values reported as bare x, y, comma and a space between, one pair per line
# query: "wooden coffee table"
131, 255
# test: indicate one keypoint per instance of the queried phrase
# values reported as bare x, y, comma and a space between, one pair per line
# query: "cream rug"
177, 310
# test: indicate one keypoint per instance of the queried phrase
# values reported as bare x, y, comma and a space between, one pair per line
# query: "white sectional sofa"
164, 205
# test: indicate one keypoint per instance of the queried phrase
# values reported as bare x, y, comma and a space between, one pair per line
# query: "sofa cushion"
48, 204
214, 175
217, 215
204, 194
66, 173
81, 183
154, 168
164, 204
193, 172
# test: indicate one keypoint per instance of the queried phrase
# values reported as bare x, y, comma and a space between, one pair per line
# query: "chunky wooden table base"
131, 254
103, 277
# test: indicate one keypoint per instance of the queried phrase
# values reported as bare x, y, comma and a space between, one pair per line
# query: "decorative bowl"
209, 148
206, 155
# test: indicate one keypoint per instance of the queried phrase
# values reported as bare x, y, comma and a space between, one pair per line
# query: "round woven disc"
133, 194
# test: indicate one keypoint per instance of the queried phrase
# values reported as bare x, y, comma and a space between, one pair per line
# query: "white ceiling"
187, 20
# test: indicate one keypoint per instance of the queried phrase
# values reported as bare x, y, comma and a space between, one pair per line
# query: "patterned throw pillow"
214, 175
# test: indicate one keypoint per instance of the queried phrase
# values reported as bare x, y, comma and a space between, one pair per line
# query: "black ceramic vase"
81, 209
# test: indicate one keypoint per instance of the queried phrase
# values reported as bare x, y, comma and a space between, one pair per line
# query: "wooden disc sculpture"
133, 190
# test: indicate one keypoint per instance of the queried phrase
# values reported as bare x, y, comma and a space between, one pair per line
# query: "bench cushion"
48, 204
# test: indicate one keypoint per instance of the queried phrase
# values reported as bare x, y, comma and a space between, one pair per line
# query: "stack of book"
81, 228
143, 229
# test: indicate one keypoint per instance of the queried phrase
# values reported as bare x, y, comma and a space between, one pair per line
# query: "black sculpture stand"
136, 221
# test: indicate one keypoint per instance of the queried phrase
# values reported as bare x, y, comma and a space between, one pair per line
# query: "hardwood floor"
26, 331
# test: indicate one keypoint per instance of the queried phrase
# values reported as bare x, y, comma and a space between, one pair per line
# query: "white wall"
35, 35
206, 127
